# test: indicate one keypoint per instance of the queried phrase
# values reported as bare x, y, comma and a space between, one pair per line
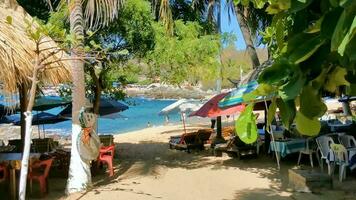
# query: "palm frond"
99, 13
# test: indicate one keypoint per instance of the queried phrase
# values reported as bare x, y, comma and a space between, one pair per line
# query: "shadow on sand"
147, 158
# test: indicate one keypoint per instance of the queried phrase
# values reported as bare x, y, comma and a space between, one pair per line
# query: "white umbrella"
182, 106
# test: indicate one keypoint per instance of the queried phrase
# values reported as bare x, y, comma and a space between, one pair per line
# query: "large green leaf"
261, 90
319, 81
287, 111
346, 41
329, 22
299, 5
315, 27
306, 126
343, 25
305, 48
271, 112
335, 79
292, 88
246, 127
277, 73
278, 6
311, 104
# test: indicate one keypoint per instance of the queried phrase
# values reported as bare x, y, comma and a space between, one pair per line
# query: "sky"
231, 26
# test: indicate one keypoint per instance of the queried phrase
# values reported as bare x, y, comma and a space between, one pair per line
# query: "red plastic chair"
3, 173
39, 171
106, 155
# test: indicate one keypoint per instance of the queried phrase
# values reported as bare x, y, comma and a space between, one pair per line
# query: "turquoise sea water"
141, 111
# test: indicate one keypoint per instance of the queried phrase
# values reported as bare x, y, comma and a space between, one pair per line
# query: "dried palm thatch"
17, 51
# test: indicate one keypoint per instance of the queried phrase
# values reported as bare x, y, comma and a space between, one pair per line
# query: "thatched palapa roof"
17, 51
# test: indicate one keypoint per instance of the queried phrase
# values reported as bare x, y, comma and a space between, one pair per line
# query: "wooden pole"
183, 119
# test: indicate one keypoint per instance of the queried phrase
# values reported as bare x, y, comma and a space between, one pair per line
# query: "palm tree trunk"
97, 88
79, 170
241, 14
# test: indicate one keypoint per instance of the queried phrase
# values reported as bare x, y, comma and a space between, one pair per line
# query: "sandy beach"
145, 168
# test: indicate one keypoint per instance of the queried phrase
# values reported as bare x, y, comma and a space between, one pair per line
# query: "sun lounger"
227, 132
191, 140
234, 147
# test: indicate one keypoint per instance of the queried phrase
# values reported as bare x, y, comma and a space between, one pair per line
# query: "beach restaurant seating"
234, 147
106, 156
324, 143
310, 149
347, 140
191, 140
43, 145
341, 159
227, 132
39, 171
106, 140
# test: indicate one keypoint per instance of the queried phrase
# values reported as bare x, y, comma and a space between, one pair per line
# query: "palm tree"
97, 13
241, 16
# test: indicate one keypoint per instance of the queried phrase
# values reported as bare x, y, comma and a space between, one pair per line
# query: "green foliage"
313, 43
246, 127
188, 55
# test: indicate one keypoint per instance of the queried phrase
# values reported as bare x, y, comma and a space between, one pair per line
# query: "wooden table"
12, 167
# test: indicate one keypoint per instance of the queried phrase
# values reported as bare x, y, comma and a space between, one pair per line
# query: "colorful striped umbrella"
211, 108
235, 97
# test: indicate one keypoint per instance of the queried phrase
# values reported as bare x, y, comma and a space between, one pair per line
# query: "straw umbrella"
17, 54
26, 52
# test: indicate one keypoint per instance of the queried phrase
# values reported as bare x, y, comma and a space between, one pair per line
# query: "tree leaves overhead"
335, 79
299, 52
187, 56
287, 111
313, 44
246, 127
271, 112
311, 104
277, 73
307, 126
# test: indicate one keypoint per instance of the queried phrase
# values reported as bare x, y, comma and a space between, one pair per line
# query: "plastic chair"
341, 159
3, 173
347, 141
106, 155
39, 171
309, 150
324, 143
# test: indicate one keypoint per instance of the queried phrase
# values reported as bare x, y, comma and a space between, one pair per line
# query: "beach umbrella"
235, 97
211, 109
182, 106
188, 107
17, 55
43, 118
107, 109
48, 102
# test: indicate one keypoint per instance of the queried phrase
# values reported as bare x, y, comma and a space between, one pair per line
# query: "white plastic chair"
347, 141
324, 143
341, 159
309, 151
